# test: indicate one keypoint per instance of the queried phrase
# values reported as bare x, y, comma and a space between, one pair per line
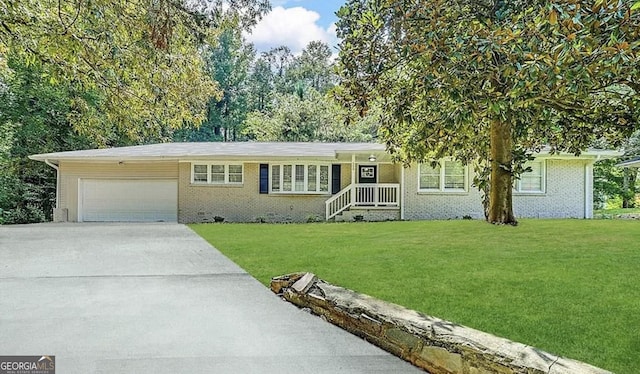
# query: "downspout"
588, 187
46, 161
402, 186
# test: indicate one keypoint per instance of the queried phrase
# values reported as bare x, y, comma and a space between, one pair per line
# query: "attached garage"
128, 200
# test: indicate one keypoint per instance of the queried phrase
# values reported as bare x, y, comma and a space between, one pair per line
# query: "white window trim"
543, 171
441, 188
306, 178
226, 174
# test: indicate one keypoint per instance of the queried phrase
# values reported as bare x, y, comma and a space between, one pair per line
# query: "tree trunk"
500, 196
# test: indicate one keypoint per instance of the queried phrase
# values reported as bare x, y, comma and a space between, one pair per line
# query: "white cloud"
293, 27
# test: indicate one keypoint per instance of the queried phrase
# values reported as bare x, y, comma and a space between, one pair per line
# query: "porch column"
353, 169
353, 179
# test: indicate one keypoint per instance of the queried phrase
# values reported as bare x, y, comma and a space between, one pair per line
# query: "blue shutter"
335, 178
264, 178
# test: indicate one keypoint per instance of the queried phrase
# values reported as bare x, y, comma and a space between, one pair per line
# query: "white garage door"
113, 200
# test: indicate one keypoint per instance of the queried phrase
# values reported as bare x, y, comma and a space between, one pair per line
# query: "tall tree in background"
77, 74
295, 104
493, 81
308, 116
143, 58
34, 118
228, 62
314, 68
279, 60
261, 86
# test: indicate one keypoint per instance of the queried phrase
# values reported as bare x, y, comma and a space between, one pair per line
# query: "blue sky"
326, 9
295, 23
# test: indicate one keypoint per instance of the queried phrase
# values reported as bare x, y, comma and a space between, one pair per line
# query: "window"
300, 178
217, 174
275, 177
312, 173
454, 175
429, 177
445, 176
200, 173
531, 181
235, 173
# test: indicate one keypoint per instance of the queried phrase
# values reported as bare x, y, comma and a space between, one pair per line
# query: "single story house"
297, 182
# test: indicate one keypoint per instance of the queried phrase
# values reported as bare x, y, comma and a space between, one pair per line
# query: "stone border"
436, 345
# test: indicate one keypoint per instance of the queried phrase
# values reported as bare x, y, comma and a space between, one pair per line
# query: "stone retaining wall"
436, 345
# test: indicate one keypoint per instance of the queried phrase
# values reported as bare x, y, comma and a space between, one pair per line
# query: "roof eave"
635, 163
598, 154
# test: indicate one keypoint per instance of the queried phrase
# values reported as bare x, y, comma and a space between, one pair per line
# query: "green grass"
617, 211
571, 287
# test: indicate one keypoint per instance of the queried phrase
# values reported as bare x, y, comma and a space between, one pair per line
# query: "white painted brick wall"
565, 193
564, 196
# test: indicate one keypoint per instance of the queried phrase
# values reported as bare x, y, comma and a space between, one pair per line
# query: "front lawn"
571, 287
614, 212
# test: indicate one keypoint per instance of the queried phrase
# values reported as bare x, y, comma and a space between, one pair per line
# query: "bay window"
300, 178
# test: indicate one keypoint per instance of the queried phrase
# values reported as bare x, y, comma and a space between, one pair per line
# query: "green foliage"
291, 100
277, 71
313, 68
33, 119
609, 213
613, 183
561, 74
312, 117
228, 62
280, 60
22, 214
516, 283
86, 74
142, 59
275, 97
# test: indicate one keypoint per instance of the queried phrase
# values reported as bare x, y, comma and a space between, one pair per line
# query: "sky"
295, 23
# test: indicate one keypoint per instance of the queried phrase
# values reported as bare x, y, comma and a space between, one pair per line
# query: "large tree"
228, 62
295, 102
305, 116
492, 81
314, 67
142, 57
34, 118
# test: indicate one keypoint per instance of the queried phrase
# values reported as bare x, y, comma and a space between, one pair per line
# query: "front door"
367, 174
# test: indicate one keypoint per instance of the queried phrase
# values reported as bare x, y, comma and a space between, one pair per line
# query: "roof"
251, 151
634, 163
236, 150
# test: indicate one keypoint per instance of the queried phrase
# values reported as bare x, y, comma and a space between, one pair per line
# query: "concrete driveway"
156, 298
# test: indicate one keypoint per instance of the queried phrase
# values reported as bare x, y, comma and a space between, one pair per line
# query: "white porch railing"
373, 195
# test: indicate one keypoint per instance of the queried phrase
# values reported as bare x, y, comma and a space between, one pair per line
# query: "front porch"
379, 197
372, 191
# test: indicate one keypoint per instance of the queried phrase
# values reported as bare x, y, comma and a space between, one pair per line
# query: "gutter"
46, 161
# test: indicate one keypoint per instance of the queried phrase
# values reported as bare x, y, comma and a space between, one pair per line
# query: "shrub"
26, 214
